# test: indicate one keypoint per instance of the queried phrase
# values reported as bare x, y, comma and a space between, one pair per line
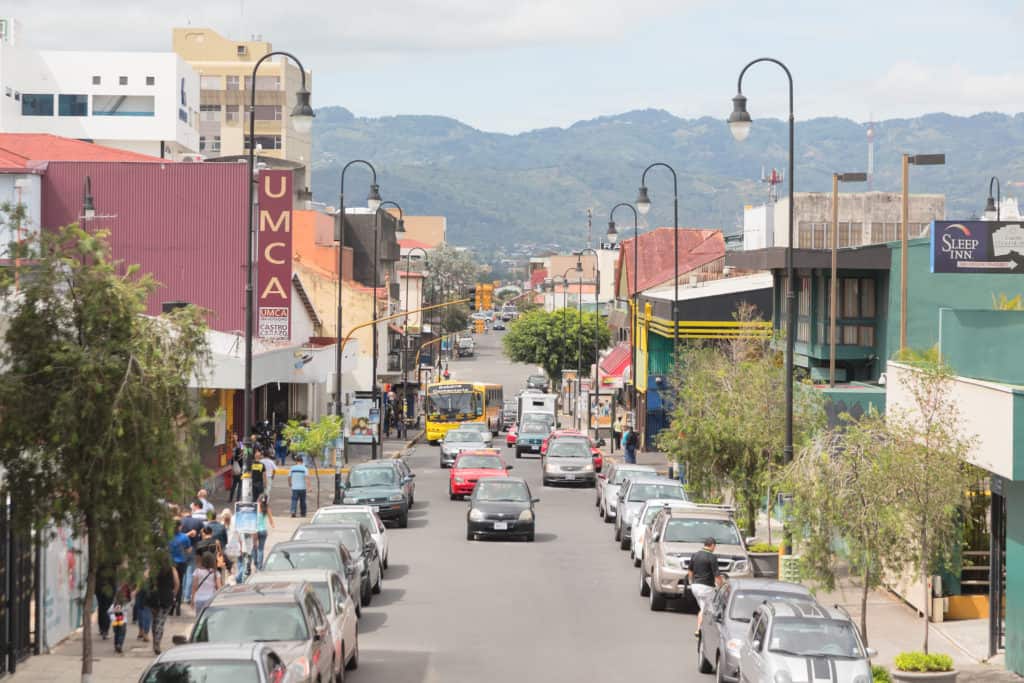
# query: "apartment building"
226, 88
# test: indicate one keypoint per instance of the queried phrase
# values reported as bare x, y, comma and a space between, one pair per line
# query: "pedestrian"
180, 549
269, 467
240, 546
263, 518
207, 544
204, 502
106, 587
630, 441
165, 586
205, 583
258, 470
192, 524
704, 577
237, 463
224, 524
142, 612
117, 611
620, 423
281, 449
217, 528
298, 479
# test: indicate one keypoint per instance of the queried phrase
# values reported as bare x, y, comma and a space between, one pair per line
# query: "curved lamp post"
612, 236
302, 118
993, 206
597, 332
739, 124
643, 205
405, 327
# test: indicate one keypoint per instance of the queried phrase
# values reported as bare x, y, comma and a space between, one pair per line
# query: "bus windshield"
451, 403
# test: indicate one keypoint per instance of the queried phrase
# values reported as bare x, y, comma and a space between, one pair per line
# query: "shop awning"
617, 360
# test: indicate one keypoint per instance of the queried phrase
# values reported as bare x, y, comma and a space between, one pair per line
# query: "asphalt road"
564, 608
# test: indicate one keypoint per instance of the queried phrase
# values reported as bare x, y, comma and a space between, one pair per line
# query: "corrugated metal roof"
184, 223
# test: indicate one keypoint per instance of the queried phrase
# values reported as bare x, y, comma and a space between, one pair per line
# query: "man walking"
704, 577
258, 471
269, 467
298, 478
630, 440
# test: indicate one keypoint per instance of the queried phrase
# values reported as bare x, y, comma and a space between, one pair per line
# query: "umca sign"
977, 247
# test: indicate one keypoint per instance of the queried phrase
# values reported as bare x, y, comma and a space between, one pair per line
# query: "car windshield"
569, 448
642, 492
622, 474
814, 637
497, 490
251, 622
480, 462
350, 536
336, 516
696, 530
479, 427
537, 379
463, 436
203, 671
534, 428
372, 476
745, 602
303, 558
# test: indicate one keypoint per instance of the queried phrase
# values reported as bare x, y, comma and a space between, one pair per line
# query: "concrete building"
144, 102
864, 218
225, 68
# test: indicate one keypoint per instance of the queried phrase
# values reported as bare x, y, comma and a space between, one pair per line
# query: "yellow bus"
494, 398
448, 404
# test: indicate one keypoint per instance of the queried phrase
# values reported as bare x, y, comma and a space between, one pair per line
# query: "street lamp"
88, 207
739, 125
994, 206
597, 334
916, 160
643, 205
612, 236
833, 285
302, 118
405, 327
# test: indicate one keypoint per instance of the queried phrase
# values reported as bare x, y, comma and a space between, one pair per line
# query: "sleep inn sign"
977, 247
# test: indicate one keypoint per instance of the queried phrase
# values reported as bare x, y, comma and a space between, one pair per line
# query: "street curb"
409, 445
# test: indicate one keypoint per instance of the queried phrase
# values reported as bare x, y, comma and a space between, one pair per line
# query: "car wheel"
403, 521
608, 519
339, 675
412, 500
353, 662
519, 453
365, 597
600, 510
657, 598
385, 565
623, 542
452, 496
469, 535
529, 537
440, 463
359, 609
703, 665
719, 674
618, 532
376, 586
645, 590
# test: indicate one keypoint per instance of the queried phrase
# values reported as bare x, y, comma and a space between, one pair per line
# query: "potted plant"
764, 559
915, 667
879, 674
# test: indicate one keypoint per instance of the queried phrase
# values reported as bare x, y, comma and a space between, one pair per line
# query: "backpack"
632, 439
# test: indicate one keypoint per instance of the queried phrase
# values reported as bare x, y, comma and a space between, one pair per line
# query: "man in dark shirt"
704, 577
258, 471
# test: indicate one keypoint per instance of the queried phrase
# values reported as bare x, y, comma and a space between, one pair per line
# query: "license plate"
376, 508
501, 526
570, 477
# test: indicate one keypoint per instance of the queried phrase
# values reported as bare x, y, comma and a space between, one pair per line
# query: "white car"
364, 514
339, 607
608, 483
643, 522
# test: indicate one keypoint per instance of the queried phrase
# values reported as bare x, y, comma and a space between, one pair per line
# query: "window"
36, 105
264, 82
209, 112
232, 82
209, 144
150, 80
851, 298
73, 105
231, 113
211, 82
96, 80
266, 141
123, 80
119, 105
867, 298
804, 237
804, 309
268, 112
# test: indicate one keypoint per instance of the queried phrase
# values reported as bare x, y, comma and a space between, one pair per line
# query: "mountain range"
500, 190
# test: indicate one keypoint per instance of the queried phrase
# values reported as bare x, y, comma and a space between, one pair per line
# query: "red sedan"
574, 434
510, 437
472, 466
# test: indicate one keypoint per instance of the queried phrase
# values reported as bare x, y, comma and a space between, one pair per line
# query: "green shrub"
880, 674
763, 548
919, 661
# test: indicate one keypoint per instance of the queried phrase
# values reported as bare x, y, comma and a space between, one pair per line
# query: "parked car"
288, 615
642, 523
509, 413
458, 440
359, 544
339, 607
382, 486
675, 535
367, 518
797, 641
472, 466
484, 430
570, 461
501, 507
257, 662
328, 554
608, 483
572, 434
632, 495
538, 382
530, 435
725, 626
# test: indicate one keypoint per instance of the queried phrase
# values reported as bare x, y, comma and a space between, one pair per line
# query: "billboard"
993, 247
274, 252
363, 416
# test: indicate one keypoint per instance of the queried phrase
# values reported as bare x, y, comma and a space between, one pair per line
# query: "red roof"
617, 360
410, 243
18, 150
697, 247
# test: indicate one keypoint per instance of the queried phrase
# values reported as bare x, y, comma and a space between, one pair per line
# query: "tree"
451, 271
555, 340
97, 422
313, 439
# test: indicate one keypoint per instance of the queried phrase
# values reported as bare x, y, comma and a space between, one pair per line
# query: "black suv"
537, 382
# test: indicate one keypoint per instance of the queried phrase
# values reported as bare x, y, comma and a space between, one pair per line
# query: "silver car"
632, 496
484, 430
608, 483
569, 461
800, 641
257, 662
458, 440
367, 518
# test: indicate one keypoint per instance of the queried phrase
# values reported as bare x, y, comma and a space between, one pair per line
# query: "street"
566, 607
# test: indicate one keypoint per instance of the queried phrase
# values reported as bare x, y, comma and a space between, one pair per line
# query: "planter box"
924, 677
765, 565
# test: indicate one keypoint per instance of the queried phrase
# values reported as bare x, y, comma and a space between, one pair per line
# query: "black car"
498, 325
502, 507
538, 382
383, 484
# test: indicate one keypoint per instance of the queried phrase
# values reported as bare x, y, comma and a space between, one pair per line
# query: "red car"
472, 466
573, 434
510, 437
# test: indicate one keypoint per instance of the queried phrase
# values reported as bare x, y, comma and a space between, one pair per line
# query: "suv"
538, 382
677, 533
633, 493
788, 639
287, 614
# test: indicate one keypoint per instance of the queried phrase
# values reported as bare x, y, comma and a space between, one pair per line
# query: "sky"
517, 65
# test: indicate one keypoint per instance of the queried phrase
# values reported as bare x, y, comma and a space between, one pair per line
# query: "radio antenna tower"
773, 180
871, 152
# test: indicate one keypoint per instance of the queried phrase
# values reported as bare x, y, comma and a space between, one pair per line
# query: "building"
224, 68
144, 102
864, 218
425, 232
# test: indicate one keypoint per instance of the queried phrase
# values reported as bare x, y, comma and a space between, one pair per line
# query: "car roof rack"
718, 507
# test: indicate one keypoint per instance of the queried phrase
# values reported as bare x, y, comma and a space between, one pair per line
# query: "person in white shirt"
269, 465
204, 501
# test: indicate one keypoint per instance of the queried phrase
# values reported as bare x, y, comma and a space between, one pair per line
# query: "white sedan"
364, 514
608, 483
643, 522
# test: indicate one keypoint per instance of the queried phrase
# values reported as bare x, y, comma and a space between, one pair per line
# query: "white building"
144, 102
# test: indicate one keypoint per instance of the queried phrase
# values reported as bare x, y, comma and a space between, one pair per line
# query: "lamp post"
302, 118
990, 205
612, 236
597, 334
579, 341
405, 328
739, 125
833, 285
916, 160
643, 205
565, 312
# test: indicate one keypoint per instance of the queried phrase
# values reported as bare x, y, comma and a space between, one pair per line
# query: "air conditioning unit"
193, 158
242, 50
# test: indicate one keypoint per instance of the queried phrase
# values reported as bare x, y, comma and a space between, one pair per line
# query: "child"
118, 609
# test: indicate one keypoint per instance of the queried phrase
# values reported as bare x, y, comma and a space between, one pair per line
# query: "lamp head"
643, 202
613, 234
373, 199
739, 119
990, 205
88, 207
400, 229
302, 114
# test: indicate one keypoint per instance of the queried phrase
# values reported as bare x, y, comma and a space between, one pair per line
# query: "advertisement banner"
274, 250
64, 563
601, 412
359, 423
245, 518
977, 247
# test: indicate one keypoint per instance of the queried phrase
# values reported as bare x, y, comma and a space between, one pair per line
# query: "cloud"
909, 88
